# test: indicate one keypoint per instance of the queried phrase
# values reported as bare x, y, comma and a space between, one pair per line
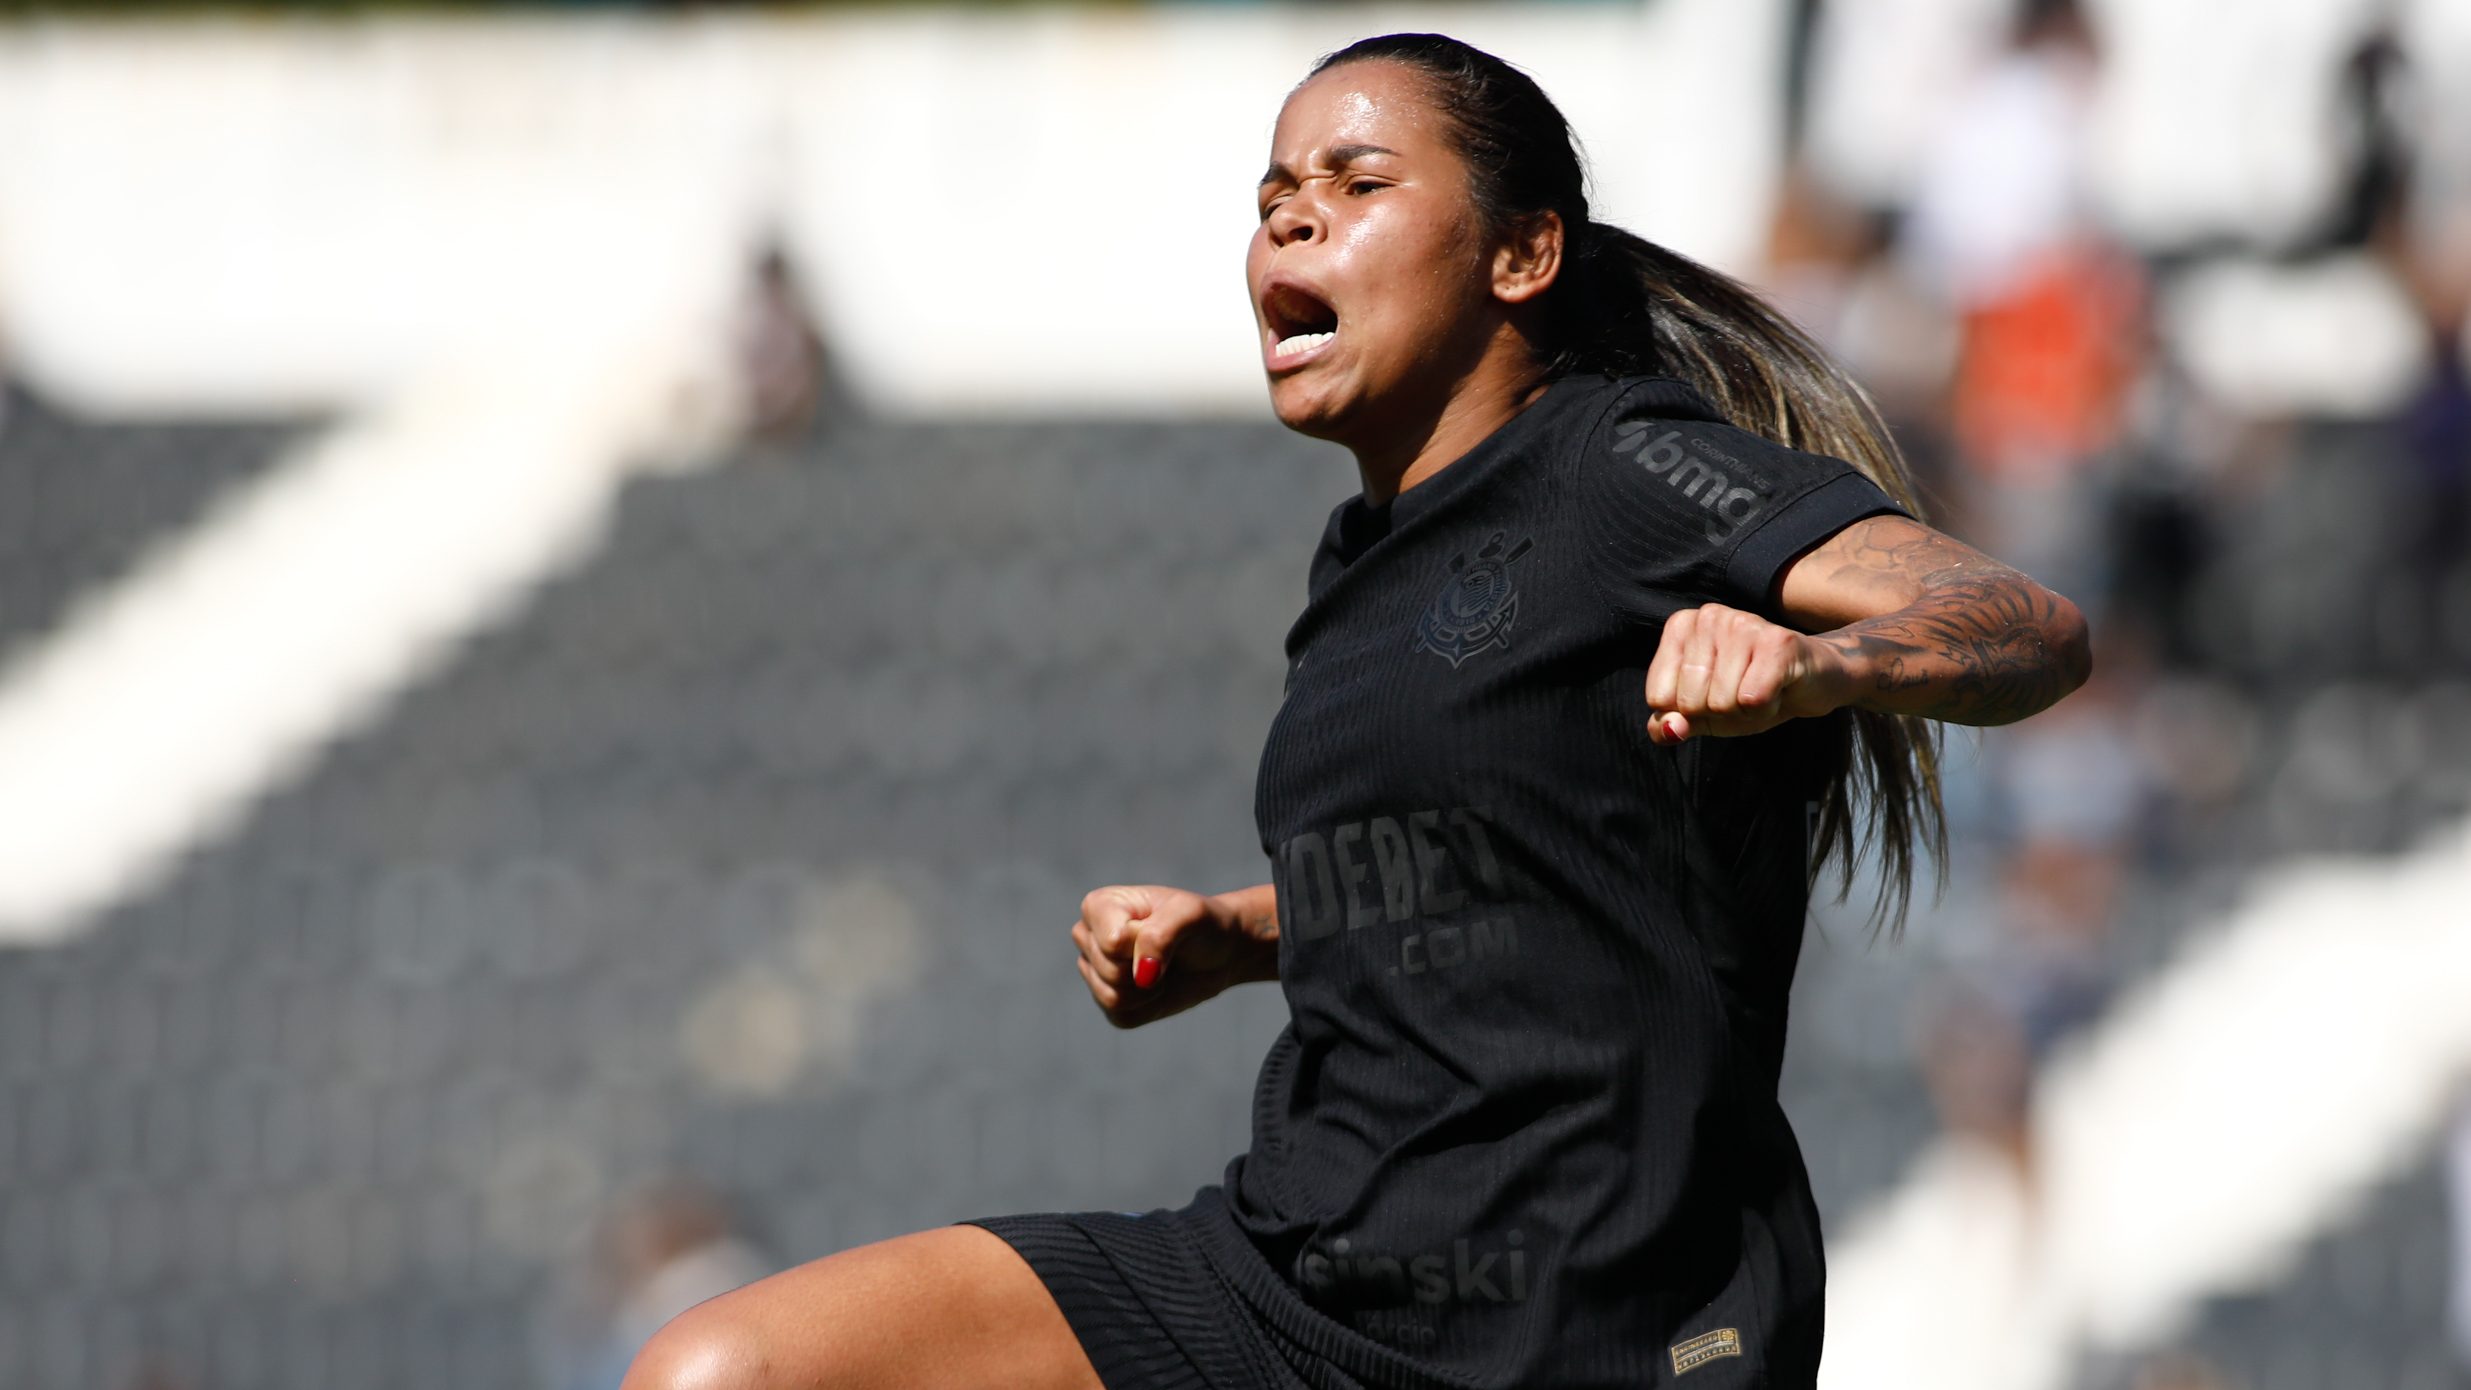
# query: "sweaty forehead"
1369, 103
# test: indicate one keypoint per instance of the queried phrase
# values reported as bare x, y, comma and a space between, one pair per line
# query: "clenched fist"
1722, 671
1148, 950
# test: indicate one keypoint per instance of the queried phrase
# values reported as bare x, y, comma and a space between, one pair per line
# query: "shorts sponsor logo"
1463, 1273
1698, 1351
1724, 496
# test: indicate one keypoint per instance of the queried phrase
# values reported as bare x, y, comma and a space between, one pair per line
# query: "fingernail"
1673, 728
1145, 971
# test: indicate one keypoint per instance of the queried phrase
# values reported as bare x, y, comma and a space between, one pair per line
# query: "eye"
1364, 185
1270, 207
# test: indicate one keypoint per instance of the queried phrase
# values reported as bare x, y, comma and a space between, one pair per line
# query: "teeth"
1301, 342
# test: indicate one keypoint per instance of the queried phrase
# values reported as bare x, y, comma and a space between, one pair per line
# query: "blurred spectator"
1955, 1259
658, 1256
781, 354
1978, 1064
2049, 312
2162, 520
2437, 431
1832, 270
2076, 794
2429, 245
2003, 185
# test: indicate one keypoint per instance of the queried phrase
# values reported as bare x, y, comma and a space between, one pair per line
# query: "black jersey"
1522, 1129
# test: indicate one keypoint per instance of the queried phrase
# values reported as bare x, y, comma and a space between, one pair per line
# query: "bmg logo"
1728, 504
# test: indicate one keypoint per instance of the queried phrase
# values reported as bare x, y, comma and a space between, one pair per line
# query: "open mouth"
1299, 320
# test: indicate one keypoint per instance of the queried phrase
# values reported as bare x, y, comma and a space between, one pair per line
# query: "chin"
1307, 408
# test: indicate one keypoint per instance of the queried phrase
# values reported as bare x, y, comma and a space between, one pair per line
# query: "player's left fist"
1721, 671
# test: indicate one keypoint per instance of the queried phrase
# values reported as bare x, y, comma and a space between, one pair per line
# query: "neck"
1431, 436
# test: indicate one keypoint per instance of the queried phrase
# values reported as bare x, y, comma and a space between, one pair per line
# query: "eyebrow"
1340, 155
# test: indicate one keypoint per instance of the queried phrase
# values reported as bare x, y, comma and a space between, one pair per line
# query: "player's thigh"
954, 1308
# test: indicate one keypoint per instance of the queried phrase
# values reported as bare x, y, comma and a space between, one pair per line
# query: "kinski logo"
1460, 1273
1728, 505
1476, 604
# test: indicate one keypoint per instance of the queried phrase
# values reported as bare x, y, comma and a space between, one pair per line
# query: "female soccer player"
1632, 621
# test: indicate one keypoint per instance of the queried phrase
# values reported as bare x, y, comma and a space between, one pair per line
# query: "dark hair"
1620, 305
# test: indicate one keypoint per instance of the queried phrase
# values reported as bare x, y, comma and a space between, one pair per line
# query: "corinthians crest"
1476, 604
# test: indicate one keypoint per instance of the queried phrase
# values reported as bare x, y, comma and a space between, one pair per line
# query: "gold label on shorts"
1698, 1351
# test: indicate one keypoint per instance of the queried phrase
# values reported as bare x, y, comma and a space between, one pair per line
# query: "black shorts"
1176, 1299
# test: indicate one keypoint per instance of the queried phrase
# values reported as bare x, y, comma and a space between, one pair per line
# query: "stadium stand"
76, 518
746, 853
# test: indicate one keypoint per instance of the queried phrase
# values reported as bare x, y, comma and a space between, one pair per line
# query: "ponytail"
1624, 305
1634, 306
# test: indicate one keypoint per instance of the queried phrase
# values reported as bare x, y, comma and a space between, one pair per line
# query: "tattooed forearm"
1973, 642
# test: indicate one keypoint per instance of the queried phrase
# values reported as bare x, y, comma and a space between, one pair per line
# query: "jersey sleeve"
1680, 512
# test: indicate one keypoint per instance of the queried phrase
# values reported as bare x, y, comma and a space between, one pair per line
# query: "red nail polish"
1145, 971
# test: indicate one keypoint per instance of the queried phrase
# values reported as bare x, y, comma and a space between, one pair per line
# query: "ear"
1528, 260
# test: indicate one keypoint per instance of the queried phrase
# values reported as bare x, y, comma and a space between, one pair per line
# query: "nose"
1296, 218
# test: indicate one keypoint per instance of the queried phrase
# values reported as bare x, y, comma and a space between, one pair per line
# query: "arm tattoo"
1981, 644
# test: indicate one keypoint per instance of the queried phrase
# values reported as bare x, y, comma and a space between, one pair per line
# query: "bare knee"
702, 1348
949, 1309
